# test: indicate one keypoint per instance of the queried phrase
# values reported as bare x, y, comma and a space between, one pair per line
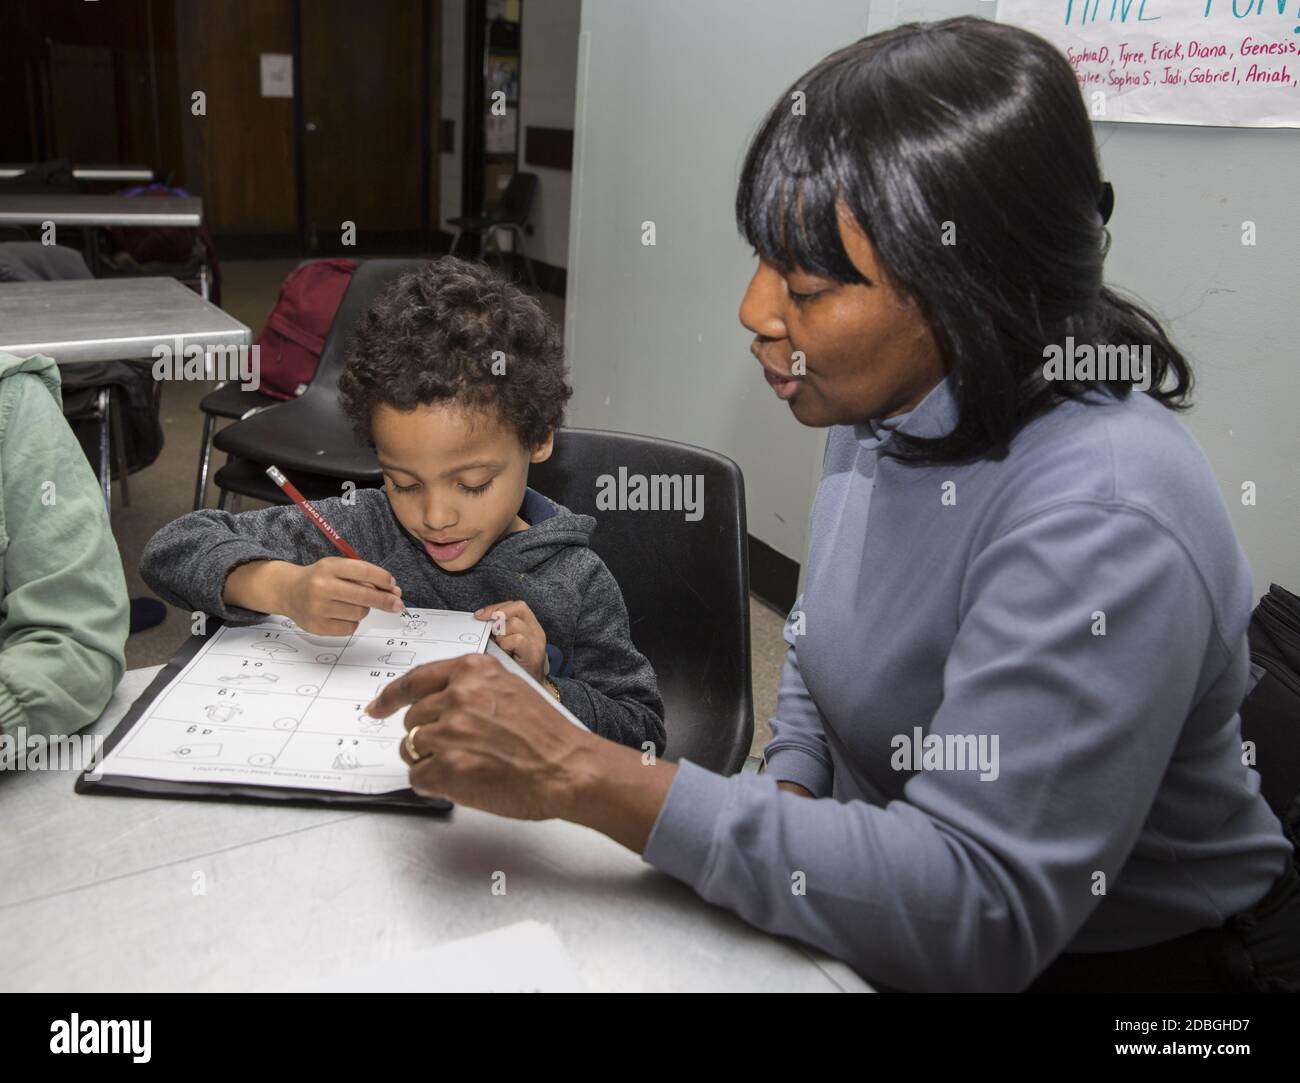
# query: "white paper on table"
527, 957
519, 671
268, 704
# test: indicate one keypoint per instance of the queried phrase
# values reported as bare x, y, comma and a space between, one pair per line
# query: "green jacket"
64, 613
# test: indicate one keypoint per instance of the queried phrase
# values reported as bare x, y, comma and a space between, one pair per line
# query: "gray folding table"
92, 212
127, 174
110, 319
104, 890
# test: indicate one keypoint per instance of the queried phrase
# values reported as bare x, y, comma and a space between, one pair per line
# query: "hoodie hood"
551, 528
44, 367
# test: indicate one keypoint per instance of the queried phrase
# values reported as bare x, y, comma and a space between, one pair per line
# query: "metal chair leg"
105, 464
455, 241
119, 446
221, 499
491, 241
205, 458
523, 251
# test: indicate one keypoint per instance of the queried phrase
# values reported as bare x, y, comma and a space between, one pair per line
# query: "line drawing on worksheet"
269, 704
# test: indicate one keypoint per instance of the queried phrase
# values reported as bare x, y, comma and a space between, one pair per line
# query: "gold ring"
410, 743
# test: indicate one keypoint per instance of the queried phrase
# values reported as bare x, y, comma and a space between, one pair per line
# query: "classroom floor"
165, 490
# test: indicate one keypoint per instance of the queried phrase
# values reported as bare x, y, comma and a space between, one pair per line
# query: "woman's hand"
486, 739
519, 634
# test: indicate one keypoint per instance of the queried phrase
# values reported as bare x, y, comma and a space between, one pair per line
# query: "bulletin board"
1223, 63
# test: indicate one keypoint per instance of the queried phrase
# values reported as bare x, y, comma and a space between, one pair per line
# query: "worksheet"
269, 704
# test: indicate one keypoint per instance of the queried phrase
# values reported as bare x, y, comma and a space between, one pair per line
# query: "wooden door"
365, 127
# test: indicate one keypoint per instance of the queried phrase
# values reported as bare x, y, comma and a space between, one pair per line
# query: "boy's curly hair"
431, 337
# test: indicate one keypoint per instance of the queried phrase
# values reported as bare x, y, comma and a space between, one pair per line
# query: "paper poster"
277, 75
1212, 62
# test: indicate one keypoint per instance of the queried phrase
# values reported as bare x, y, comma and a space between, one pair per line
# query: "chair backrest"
311, 433
517, 202
686, 583
1270, 713
370, 279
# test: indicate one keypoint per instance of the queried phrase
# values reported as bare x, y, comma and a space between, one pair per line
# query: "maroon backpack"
294, 335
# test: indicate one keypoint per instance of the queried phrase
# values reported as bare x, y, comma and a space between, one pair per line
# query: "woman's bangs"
785, 183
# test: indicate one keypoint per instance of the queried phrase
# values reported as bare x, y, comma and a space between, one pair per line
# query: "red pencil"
322, 524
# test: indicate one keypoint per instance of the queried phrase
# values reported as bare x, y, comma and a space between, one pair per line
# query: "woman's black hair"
965, 131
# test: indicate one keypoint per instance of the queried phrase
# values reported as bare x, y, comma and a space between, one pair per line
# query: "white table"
98, 892
66, 209
138, 173
110, 319
91, 212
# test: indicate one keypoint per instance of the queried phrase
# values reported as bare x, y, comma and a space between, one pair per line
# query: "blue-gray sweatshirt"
1110, 809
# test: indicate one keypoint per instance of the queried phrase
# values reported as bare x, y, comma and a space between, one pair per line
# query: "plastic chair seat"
232, 401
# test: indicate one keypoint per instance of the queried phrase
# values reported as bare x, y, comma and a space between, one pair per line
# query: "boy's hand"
518, 633
333, 596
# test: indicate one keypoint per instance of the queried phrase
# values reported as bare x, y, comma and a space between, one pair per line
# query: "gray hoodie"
602, 677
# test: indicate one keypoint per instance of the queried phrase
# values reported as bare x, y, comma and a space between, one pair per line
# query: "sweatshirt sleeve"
798, 751
65, 615
613, 690
187, 561
972, 882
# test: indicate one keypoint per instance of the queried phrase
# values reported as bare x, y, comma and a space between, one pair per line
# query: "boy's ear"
542, 451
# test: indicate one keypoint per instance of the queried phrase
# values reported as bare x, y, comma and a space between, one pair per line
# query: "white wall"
669, 93
1181, 195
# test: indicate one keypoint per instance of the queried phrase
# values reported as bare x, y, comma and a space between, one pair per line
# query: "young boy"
457, 379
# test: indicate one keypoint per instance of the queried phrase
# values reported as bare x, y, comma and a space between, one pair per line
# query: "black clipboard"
131, 786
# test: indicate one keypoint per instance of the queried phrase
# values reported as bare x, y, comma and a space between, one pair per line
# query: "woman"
1006, 748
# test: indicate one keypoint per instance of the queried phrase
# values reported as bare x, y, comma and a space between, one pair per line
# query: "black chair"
232, 401
512, 215
1270, 714
229, 400
686, 584
309, 438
